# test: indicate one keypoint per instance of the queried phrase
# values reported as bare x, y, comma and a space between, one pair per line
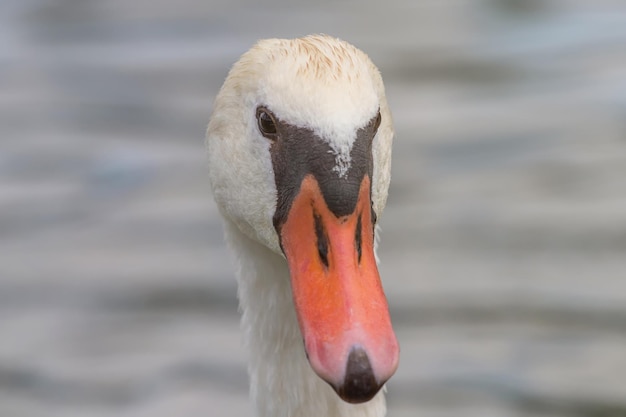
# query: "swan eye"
267, 125
377, 122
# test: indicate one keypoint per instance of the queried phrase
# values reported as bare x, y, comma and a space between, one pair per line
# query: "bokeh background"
504, 240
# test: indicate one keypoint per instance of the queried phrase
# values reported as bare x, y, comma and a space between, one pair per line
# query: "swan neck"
282, 383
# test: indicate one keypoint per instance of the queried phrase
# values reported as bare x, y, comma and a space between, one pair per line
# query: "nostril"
357, 239
322, 240
360, 384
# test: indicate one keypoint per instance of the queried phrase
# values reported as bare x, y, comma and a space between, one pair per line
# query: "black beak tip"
360, 384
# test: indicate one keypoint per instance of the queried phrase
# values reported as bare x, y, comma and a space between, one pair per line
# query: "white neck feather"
282, 383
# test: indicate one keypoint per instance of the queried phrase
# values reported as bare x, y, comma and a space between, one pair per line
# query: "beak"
339, 300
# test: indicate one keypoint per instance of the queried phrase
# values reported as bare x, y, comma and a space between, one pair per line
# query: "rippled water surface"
503, 252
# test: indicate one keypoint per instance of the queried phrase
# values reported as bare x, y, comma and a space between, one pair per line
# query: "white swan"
299, 146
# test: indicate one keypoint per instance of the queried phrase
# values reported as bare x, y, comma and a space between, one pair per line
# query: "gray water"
504, 240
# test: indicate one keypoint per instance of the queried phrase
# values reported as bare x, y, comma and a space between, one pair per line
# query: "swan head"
299, 146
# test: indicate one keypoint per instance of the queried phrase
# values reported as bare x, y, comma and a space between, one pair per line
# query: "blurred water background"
504, 240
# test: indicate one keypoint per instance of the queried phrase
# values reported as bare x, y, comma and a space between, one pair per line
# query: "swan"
299, 149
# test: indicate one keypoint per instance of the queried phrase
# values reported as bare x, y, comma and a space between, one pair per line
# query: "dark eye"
377, 122
267, 124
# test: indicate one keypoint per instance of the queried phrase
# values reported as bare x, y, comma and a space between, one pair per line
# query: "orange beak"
338, 296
